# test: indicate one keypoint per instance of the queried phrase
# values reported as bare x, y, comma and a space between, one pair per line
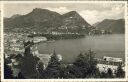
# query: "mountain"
38, 19
73, 22
95, 24
16, 15
43, 20
74, 18
115, 26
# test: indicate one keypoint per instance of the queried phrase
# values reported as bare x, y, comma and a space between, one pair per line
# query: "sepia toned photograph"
64, 40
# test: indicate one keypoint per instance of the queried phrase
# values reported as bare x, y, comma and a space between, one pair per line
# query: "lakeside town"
13, 41
16, 46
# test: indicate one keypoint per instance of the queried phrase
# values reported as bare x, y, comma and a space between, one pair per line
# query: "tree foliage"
29, 63
53, 68
41, 69
8, 73
20, 76
85, 65
109, 73
120, 73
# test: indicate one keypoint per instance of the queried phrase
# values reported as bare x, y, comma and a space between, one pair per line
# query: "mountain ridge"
45, 20
114, 25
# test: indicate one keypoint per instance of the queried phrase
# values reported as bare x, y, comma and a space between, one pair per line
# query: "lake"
103, 45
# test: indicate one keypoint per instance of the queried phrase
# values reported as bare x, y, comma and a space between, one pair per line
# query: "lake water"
103, 45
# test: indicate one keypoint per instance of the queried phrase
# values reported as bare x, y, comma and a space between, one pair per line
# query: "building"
109, 62
105, 67
112, 59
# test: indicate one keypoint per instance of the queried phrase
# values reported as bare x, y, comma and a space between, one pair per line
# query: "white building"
104, 67
112, 59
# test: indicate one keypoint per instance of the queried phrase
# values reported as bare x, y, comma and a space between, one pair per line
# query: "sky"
91, 12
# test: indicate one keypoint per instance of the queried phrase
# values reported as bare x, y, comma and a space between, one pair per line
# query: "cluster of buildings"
60, 33
14, 42
99, 32
109, 62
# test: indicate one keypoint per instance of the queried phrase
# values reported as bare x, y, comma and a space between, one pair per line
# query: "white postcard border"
63, 80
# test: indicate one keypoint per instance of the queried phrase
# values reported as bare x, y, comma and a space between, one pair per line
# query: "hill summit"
115, 26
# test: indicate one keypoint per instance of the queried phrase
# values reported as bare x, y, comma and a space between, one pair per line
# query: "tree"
109, 73
29, 64
103, 75
53, 68
63, 71
41, 69
91, 64
79, 67
8, 73
85, 65
120, 73
20, 76
72, 72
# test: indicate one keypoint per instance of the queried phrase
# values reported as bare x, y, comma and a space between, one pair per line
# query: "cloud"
116, 11
90, 16
60, 10
93, 16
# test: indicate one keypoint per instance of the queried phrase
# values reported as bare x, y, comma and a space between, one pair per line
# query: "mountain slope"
75, 23
37, 19
74, 18
115, 26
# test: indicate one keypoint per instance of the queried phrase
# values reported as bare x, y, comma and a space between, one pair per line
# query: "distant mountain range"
116, 26
46, 21
43, 20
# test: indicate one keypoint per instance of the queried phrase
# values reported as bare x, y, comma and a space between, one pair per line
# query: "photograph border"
58, 80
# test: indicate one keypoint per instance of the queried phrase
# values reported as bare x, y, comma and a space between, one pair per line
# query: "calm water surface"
103, 45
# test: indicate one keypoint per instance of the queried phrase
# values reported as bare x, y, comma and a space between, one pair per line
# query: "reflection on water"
104, 45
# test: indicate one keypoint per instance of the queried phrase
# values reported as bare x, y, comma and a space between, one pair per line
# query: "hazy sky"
91, 12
